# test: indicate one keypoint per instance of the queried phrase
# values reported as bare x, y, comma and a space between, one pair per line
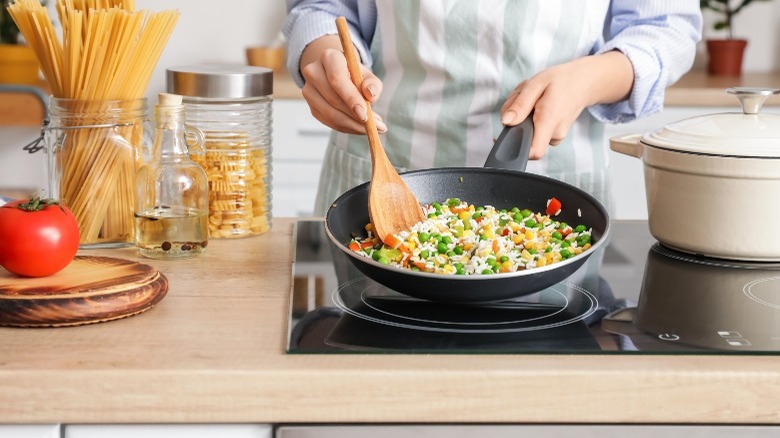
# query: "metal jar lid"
220, 81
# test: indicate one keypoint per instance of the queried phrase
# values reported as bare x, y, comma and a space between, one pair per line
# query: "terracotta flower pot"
725, 57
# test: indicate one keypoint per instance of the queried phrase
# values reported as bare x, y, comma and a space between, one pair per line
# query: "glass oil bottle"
171, 209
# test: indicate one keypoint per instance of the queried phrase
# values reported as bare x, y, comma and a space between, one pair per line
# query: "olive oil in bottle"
171, 213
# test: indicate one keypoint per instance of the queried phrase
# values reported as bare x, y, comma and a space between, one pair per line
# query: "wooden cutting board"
89, 290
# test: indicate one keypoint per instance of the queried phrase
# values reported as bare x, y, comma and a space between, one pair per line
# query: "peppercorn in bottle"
171, 213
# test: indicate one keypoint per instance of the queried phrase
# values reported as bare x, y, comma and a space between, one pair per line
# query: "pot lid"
746, 134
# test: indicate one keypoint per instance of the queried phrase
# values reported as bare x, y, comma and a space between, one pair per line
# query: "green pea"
446, 239
431, 215
530, 223
375, 256
480, 208
518, 217
460, 271
487, 271
504, 259
565, 244
384, 260
565, 253
526, 212
491, 261
441, 247
531, 251
453, 202
476, 215
458, 250
424, 237
436, 206
580, 228
556, 235
424, 254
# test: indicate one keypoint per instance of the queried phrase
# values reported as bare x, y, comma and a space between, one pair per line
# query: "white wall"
214, 32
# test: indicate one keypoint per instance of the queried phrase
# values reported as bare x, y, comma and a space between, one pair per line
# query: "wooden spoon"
392, 206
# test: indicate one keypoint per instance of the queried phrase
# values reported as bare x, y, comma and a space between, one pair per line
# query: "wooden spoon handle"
357, 78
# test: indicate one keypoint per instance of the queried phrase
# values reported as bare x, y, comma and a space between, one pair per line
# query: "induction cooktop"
643, 298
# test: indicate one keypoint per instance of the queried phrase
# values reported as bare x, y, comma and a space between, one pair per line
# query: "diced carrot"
354, 246
392, 241
419, 265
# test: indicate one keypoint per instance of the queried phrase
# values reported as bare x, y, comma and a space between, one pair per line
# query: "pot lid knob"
752, 98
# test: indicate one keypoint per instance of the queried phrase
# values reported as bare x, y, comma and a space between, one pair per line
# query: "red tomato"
37, 237
553, 207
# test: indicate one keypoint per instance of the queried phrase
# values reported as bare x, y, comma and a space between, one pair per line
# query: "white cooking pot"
713, 181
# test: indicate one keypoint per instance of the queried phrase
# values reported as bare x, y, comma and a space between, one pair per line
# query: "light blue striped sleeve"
308, 20
659, 37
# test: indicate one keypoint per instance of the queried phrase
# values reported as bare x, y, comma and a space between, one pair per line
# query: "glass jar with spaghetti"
94, 150
232, 106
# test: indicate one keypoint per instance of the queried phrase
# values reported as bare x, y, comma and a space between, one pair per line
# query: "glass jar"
94, 150
172, 206
232, 106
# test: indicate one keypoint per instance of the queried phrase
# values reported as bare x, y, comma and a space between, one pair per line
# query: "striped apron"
447, 67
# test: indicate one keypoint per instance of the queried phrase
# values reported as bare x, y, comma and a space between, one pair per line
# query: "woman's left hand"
558, 95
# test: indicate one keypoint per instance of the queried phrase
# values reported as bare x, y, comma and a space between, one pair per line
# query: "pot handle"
627, 144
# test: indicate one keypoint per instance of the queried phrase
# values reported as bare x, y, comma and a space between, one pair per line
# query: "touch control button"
668, 337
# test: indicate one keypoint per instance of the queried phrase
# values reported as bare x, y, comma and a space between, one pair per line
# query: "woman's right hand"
332, 97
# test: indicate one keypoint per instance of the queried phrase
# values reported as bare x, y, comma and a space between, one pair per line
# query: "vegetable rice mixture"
460, 239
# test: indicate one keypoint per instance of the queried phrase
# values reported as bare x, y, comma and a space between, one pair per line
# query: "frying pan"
502, 183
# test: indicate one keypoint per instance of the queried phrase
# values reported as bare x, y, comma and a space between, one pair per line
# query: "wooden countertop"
214, 351
697, 88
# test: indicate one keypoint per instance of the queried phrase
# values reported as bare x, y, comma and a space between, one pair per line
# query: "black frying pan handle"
510, 151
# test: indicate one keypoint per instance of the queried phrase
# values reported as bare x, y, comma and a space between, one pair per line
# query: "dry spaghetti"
99, 69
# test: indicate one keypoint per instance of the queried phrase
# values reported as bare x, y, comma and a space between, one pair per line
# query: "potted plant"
725, 55
18, 63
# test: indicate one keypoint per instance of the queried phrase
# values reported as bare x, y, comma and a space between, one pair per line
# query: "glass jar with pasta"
232, 106
95, 149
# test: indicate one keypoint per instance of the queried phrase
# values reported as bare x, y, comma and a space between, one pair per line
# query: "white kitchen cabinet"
168, 431
30, 431
299, 142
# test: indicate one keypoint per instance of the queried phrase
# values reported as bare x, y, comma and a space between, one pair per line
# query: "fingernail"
508, 117
372, 90
360, 112
380, 124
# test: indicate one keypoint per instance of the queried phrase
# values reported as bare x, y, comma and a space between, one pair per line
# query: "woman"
446, 75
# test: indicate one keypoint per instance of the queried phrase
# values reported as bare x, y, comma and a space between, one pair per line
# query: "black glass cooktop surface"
642, 298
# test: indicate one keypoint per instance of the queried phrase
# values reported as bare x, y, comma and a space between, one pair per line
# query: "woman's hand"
332, 97
558, 95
